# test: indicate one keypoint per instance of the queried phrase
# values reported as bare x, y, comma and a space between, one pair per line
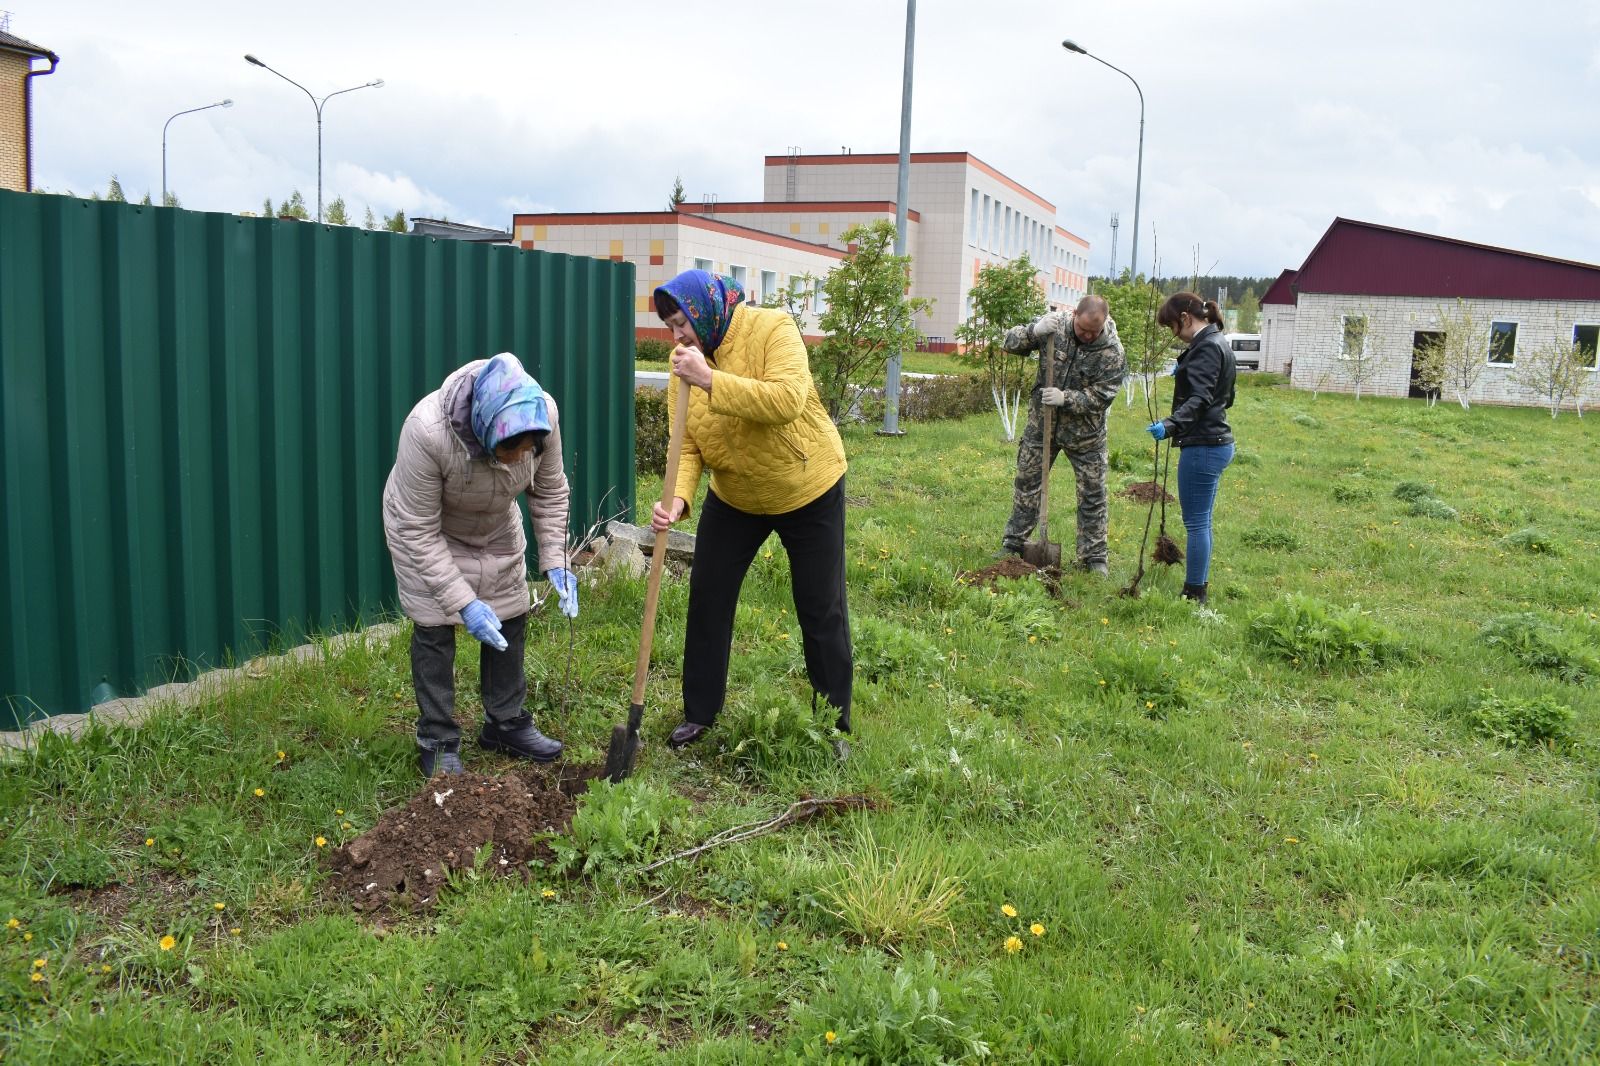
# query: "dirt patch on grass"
1145, 492
1012, 568
406, 857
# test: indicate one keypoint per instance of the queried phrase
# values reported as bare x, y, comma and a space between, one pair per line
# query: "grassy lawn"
1339, 817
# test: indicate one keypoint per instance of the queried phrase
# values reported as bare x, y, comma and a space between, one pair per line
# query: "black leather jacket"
1203, 392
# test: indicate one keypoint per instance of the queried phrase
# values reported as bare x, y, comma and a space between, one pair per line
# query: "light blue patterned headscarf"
506, 401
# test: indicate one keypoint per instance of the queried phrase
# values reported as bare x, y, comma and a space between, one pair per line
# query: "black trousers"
501, 679
725, 544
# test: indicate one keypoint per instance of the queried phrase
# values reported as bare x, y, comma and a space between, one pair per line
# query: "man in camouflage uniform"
1089, 368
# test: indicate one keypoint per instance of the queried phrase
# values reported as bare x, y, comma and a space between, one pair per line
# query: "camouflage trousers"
1087, 453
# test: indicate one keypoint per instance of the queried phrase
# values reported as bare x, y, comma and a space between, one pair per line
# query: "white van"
1246, 350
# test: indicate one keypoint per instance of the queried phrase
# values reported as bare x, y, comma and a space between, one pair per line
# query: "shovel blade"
1042, 554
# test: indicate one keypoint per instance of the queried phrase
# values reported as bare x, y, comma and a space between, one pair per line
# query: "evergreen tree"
114, 191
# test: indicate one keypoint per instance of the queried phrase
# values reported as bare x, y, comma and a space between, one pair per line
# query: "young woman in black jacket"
1198, 425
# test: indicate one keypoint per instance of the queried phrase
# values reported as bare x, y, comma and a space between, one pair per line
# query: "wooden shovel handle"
658, 554
1049, 436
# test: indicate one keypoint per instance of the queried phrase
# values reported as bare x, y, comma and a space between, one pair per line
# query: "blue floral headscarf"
506, 401
708, 300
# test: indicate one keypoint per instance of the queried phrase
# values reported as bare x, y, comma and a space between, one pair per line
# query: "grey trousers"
501, 679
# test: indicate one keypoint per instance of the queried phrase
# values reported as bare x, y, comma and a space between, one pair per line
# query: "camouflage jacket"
1088, 373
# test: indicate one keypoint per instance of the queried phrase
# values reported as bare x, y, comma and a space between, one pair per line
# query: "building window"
1586, 339
769, 285
972, 221
1502, 343
983, 231
819, 299
1355, 337
741, 275
702, 264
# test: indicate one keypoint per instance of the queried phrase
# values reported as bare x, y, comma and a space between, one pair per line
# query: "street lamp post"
891, 385
1138, 181
192, 110
318, 104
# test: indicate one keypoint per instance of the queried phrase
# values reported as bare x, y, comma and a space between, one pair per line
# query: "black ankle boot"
520, 739
1197, 593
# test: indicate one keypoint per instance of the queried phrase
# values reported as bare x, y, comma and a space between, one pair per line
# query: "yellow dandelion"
282, 755
38, 964
1105, 621
338, 810
548, 893
1033, 638
235, 931
1149, 703
260, 792
830, 1036
1013, 945
219, 906
783, 945
168, 943
1291, 840
1314, 757
1008, 910
149, 842
321, 841
12, 923
27, 937
1036, 929
1102, 680
783, 636
344, 825
105, 968
36, 976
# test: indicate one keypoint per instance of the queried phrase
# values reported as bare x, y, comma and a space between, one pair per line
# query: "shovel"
1042, 553
624, 746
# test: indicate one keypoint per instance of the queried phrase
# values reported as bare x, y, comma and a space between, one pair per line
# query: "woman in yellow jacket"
777, 466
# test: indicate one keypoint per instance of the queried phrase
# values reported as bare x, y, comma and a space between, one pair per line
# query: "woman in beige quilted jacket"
777, 466
467, 451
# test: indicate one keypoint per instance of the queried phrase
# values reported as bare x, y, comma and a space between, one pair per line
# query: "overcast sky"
1264, 119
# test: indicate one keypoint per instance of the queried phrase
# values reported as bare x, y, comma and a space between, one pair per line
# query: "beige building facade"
17, 74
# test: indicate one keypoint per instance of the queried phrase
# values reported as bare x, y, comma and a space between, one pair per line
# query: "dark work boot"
1007, 551
686, 734
520, 739
1197, 593
1097, 567
445, 759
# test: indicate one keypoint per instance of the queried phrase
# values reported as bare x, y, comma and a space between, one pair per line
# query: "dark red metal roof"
1282, 290
1365, 259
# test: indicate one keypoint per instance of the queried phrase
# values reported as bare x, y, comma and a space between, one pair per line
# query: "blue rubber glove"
1158, 430
483, 623
566, 584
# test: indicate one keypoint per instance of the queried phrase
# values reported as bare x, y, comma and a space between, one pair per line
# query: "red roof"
1282, 290
1365, 259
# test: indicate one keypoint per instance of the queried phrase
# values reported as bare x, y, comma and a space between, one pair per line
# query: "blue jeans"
1200, 470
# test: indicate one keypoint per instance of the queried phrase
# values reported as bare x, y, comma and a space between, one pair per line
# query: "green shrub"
1432, 507
772, 730
650, 430
1532, 539
1310, 633
885, 650
919, 1015
1521, 723
1538, 645
1125, 460
1412, 490
1303, 419
651, 350
617, 826
1347, 493
1271, 540
1141, 680
946, 396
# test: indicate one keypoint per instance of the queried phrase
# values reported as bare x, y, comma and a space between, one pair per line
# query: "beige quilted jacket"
450, 511
763, 433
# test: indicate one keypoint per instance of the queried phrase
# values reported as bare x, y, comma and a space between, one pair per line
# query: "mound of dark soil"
1012, 568
1145, 492
407, 855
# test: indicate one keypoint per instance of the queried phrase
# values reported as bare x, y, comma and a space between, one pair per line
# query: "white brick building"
1386, 289
962, 215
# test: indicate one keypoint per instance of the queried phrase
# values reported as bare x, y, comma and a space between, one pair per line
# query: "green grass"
1383, 852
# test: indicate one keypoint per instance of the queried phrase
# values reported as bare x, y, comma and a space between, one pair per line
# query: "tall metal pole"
891, 387
318, 104
1138, 181
192, 110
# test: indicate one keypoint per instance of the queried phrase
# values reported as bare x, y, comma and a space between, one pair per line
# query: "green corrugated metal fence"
198, 413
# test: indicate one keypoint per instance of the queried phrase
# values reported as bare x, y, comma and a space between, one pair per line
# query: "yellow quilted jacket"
762, 432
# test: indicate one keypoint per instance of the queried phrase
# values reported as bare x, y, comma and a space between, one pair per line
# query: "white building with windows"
1382, 291
962, 215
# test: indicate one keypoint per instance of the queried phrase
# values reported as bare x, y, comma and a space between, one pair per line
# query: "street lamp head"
253, 59
1074, 46
377, 84
226, 103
